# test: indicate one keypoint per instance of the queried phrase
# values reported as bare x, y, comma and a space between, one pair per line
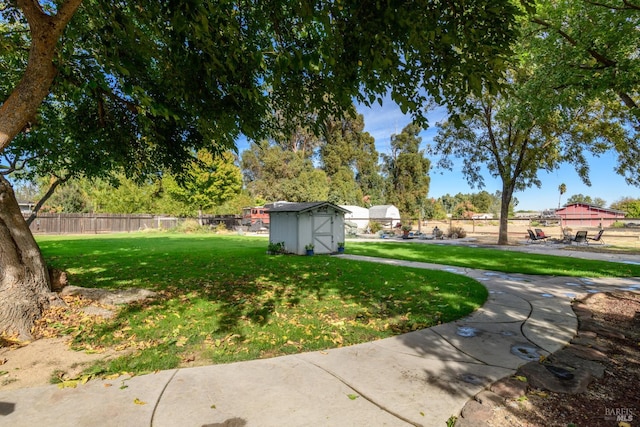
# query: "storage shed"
300, 224
387, 215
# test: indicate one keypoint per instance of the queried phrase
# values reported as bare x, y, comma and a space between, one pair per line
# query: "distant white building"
26, 207
357, 215
482, 216
387, 215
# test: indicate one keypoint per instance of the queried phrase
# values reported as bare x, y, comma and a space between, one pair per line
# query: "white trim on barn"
300, 224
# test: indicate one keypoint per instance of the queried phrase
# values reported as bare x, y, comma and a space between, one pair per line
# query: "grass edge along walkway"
506, 261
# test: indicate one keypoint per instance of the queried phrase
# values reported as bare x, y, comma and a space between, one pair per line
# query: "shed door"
323, 233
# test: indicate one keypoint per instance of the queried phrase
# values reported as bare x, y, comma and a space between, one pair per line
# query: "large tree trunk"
507, 194
24, 280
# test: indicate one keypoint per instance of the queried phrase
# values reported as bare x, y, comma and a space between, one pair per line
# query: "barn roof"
304, 207
383, 211
590, 207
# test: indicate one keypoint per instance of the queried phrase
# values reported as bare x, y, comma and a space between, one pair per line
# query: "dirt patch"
50, 356
36, 363
605, 354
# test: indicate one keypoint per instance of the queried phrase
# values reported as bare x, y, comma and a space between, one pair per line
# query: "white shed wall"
283, 228
323, 229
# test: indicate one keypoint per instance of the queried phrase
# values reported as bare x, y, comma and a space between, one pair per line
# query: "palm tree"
562, 188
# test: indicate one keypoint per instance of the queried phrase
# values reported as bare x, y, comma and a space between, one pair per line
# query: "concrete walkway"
420, 378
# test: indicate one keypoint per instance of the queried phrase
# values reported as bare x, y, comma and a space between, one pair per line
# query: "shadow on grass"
212, 288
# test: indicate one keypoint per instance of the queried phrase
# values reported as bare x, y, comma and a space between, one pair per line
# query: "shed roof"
304, 207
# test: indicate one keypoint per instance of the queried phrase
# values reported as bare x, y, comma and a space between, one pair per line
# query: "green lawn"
494, 259
222, 298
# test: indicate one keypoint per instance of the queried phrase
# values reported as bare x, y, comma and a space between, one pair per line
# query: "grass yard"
494, 259
223, 299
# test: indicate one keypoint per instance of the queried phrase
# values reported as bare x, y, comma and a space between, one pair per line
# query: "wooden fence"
75, 223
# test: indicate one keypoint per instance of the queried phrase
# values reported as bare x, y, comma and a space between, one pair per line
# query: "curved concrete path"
416, 379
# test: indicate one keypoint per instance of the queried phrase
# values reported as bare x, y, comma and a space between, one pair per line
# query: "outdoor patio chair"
534, 238
598, 238
581, 237
540, 234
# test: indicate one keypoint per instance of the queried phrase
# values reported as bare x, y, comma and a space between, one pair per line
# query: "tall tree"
562, 188
581, 198
407, 172
182, 74
209, 181
272, 173
122, 195
482, 201
629, 205
350, 159
434, 209
496, 132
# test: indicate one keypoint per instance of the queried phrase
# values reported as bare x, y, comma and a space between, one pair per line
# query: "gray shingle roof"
303, 207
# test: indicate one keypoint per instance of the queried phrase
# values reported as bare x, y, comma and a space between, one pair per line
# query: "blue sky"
383, 121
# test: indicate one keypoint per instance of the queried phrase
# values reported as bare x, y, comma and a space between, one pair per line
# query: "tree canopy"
584, 54
629, 205
186, 74
581, 198
407, 172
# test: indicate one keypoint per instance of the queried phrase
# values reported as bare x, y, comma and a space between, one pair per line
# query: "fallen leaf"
139, 402
68, 384
352, 396
111, 377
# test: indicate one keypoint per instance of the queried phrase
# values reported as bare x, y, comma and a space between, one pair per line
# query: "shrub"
374, 226
618, 224
190, 226
456, 233
220, 228
276, 248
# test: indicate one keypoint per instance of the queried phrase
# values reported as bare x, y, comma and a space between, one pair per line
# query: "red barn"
255, 216
587, 215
